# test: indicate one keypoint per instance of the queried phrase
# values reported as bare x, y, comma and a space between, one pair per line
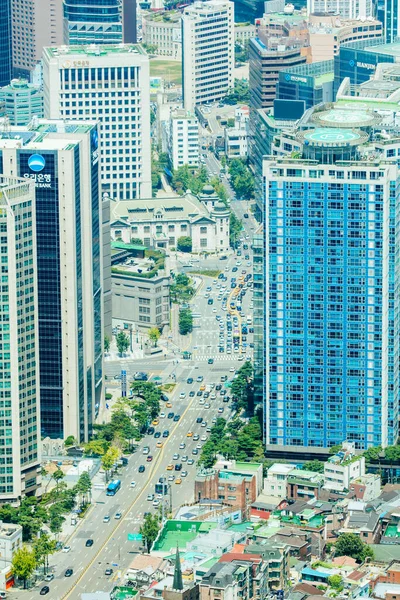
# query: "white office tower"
344, 9
183, 139
62, 160
19, 350
208, 43
110, 84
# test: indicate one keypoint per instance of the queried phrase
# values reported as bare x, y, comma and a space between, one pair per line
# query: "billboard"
289, 109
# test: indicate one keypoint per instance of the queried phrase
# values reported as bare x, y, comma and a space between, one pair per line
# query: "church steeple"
178, 583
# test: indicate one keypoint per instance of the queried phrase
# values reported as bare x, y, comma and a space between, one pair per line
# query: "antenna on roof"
5, 127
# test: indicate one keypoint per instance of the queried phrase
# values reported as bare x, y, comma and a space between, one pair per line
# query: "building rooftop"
94, 50
178, 207
179, 533
388, 49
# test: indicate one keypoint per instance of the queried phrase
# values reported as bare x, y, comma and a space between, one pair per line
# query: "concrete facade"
208, 51
34, 25
183, 139
117, 94
160, 222
22, 101
164, 30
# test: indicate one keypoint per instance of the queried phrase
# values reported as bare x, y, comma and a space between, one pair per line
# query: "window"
203, 243
144, 319
203, 229
146, 228
145, 301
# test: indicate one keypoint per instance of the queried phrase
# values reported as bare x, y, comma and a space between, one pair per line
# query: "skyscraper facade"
34, 25
207, 51
63, 162
92, 22
110, 84
19, 350
331, 302
5, 42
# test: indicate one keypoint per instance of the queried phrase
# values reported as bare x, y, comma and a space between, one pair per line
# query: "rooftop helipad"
345, 118
331, 136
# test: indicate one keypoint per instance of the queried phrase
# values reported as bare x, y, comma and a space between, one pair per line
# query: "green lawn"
169, 70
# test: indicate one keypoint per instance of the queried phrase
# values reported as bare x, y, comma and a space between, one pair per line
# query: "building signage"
362, 65
295, 78
75, 63
39, 169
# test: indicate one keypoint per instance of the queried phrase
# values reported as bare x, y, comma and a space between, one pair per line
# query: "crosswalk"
217, 358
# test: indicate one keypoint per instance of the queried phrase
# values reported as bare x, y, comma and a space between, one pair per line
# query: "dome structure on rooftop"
208, 190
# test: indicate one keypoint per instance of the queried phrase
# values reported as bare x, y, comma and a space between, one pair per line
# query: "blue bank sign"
35, 167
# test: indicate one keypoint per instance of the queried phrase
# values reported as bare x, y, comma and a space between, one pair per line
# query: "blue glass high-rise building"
92, 22
331, 304
5, 42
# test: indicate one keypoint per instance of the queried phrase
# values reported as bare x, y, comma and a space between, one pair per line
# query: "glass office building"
332, 280
5, 42
92, 22
63, 162
312, 84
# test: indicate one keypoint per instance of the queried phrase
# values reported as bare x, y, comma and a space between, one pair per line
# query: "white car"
67, 549
150, 497
203, 438
162, 415
106, 519
182, 395
232, 369
156, 503
133, 484
171, 477
206, 405
202, 401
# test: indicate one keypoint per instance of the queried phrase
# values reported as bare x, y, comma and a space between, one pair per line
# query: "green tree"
184, 244
70, 441
185, 321
43, 547
107, 343
349, 544
230, 122
182, 279
23, 564
56, 520
149, 530
96, 447
235, 228
84, 487
313, 465
122, 341
219, 189
109, 459
239, 94
58, 475
154, 335
336, 582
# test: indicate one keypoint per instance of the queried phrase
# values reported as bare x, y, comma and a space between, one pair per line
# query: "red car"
149, 458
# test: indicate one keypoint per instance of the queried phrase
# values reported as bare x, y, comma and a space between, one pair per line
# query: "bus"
113, 487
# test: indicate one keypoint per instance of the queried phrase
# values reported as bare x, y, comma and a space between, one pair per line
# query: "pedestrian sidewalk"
137, 352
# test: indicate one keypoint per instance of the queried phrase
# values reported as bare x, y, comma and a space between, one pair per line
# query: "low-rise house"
275, 483
304, 484
366, 487
258, 576
367, 525
342, 468
276, 556
144, 569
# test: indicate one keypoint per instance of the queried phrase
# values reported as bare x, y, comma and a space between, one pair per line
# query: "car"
195, 451
149, 458
234, 270
210, 301
222, 393
176, 418
108, 572
150, 497
199, 420
192, 394
45, 590
189, 380
225, 399
202, 387
201, 401
182, 446
196, 437
245, 247
213, 396
106, 519
247, 257
89, 543
204, 424
170, 415
232, 369
221, 409
208, 288
118, 515
166, 433
210, 361
199, 446
184, 458
246, 215
190, 461
170, 467
178, 481
69, 573
159, 445
49, 577
207, 406
182, 395
142, 469
157, 434
168, 405
156, 503
206, 394
67, 549
189, 434
117, 377
162, 415
214, 419
178, 467
155, 422
184, 474
221, 349
150, 430
175, 456
199, 393
199, 378
164, 397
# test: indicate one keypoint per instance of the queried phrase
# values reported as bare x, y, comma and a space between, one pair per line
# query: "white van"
146, 450
249, 320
